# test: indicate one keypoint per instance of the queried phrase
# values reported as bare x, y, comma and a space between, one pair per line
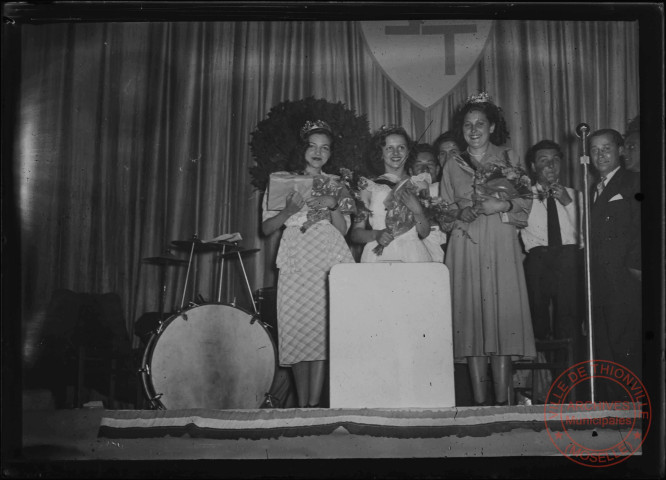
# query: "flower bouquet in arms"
325, 185
399, 218
502, 180
354, 184
441, 213
438, 212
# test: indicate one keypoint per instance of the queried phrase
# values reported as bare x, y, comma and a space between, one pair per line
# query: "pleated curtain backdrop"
131, 135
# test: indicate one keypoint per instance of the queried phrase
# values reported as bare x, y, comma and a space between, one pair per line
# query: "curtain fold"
132, 135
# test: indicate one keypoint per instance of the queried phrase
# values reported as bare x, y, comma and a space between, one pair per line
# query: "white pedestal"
390, 336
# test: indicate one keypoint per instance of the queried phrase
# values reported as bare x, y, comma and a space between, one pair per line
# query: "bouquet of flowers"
502, 180
399, 219
440, 213
354, 184
443, 214
325, 185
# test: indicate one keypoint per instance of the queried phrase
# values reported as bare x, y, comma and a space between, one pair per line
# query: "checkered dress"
304, 260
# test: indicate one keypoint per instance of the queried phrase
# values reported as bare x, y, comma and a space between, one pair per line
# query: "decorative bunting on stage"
275, 423
425, 59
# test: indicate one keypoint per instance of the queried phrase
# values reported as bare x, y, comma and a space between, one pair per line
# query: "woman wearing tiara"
310, 246
491, 316
389, 151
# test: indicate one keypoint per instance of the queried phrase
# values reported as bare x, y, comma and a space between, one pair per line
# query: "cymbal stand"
189, 266
163, 290
247, 281
219, 283
247, 284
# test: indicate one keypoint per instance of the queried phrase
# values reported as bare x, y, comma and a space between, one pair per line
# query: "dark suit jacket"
615, 240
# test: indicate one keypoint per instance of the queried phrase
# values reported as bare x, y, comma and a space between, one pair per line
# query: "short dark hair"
634, 126
447, 136
424, 147
421, 148
530, 156
614, 134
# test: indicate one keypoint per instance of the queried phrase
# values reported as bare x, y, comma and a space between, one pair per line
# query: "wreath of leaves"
276, 137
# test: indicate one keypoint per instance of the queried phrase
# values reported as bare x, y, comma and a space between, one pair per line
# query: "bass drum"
211, 356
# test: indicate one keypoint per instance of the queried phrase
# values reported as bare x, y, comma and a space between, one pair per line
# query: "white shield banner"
425, 59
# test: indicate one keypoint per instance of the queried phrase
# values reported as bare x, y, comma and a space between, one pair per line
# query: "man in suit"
615, 257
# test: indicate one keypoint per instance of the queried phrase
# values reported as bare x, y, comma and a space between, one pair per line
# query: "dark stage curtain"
131, 135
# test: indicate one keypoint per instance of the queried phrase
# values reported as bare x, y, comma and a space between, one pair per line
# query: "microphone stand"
582, 131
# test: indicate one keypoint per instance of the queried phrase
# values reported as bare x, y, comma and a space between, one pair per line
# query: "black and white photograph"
332, 239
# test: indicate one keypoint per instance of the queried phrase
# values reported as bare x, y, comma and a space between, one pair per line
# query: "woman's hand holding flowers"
323, 201
490, 205
408, 199
295, 203
468, 214
383, 237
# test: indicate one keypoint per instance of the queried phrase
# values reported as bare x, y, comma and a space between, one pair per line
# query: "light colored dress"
407, 247
304, 260
491, 313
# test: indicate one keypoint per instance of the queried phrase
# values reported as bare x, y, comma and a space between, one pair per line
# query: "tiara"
391, 127
316, 125
481, 97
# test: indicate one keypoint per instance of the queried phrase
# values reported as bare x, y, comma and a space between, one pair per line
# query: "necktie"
554, 233
600, 188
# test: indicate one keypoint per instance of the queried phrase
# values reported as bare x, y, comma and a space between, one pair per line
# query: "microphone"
582, 130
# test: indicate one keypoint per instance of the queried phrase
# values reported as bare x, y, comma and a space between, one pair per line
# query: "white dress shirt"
436, 238
570, 216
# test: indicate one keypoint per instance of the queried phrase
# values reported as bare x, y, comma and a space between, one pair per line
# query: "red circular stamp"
603, 433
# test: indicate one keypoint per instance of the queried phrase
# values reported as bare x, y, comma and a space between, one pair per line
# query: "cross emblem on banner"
416, 27
420, 64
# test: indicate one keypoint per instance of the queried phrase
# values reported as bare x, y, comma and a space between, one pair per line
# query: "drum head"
211, 356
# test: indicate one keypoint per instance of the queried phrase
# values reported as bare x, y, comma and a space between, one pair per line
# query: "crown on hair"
481, 97
316, 125
392, 127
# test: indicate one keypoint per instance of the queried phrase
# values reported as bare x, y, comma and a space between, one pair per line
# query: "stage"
99, 434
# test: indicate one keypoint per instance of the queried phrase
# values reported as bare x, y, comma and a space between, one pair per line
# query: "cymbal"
164, 259
200, 246
242, 252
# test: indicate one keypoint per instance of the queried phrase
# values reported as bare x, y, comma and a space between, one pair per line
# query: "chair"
104, 359
81, 344
547, 346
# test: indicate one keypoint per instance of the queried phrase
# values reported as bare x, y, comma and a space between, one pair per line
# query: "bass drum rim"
147, 375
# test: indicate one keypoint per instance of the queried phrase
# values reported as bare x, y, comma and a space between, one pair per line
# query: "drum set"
208, 355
